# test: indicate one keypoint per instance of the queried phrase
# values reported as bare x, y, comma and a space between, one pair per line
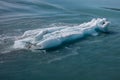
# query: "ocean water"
90, 58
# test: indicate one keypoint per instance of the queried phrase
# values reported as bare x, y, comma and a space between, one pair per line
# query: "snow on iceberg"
51, 37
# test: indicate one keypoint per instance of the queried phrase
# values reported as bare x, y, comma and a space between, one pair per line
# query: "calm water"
92, 58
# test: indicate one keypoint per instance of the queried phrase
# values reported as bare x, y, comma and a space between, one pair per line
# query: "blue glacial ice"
46, 38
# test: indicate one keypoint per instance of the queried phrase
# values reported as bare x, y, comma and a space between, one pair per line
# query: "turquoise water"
92, 58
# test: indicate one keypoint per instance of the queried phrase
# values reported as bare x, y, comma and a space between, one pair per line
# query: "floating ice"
55, 36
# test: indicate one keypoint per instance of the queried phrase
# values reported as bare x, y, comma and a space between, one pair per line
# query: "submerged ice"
51, 37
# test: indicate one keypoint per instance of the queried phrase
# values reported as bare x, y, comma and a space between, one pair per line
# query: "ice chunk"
51, 37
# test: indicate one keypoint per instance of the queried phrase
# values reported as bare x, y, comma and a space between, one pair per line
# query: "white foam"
55, 36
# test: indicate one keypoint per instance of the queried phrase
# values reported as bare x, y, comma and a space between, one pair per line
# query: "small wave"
115, 9
51, 37
23, 8
61, 57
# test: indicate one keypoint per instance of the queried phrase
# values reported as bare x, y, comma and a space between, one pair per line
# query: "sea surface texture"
59, 39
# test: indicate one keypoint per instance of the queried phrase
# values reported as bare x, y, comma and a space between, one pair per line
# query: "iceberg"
47, 38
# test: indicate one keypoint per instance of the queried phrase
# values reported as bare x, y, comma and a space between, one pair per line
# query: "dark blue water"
92, 58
